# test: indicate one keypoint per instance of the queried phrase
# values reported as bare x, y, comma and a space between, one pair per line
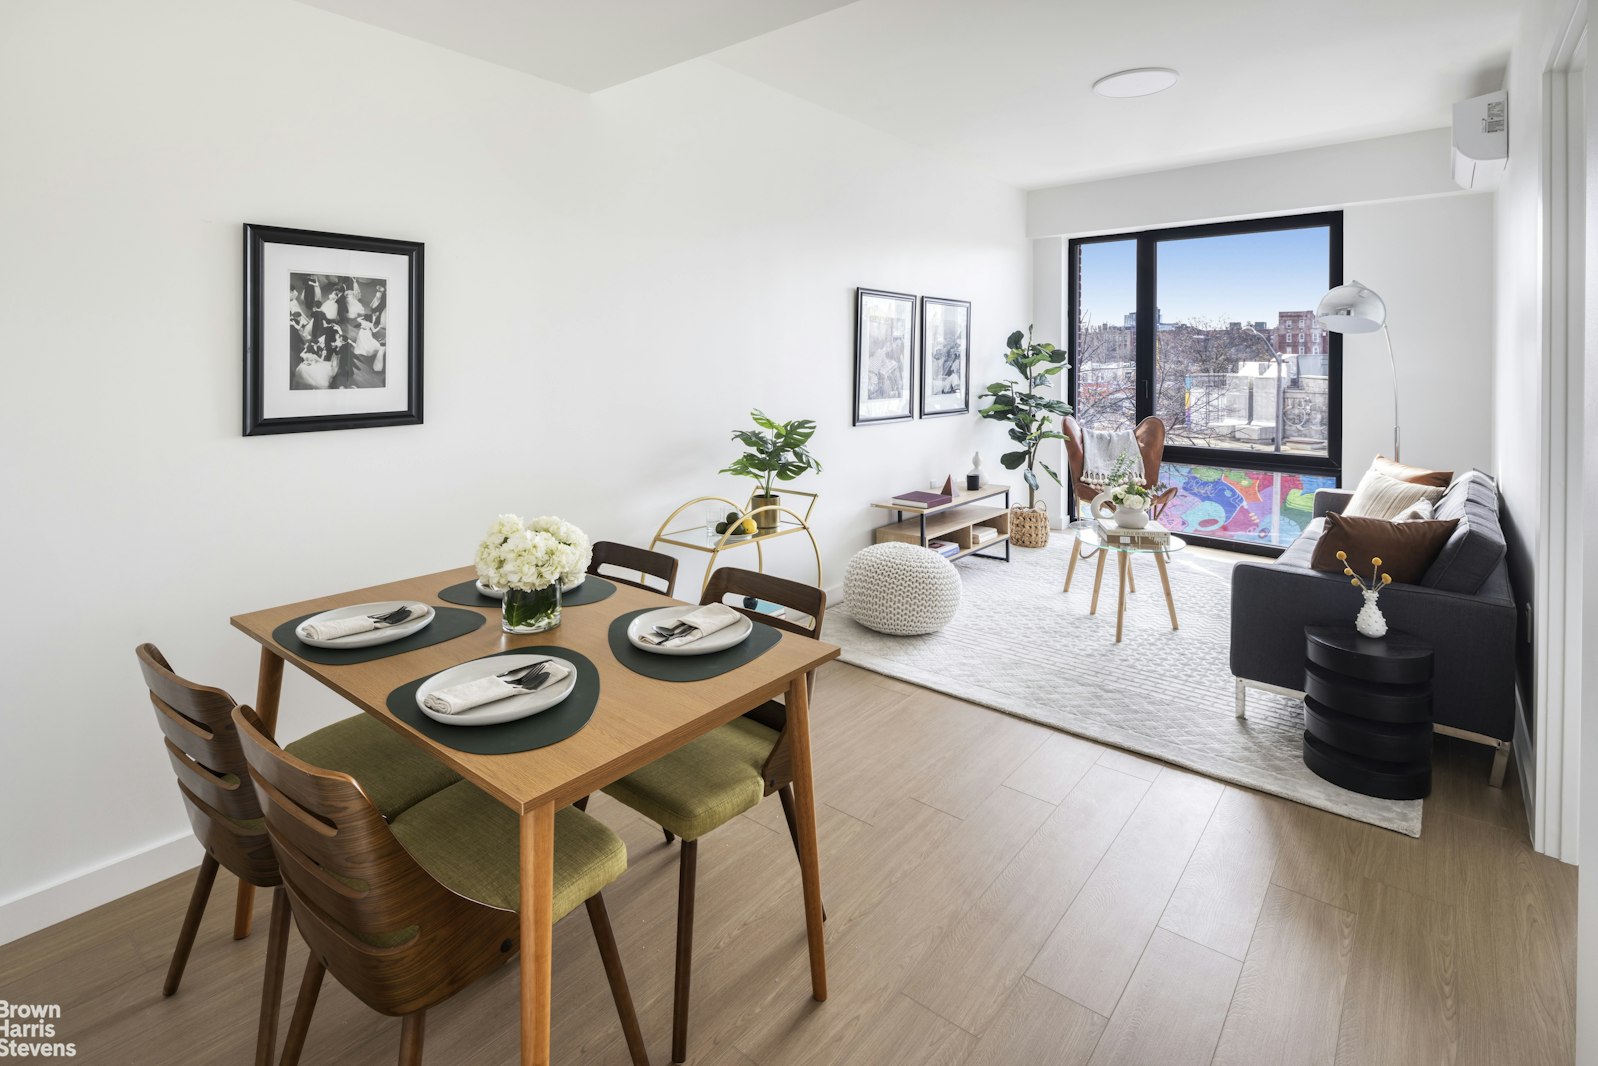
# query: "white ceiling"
1005, 85
586, 44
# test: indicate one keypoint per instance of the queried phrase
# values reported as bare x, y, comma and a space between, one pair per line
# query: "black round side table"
1368, 711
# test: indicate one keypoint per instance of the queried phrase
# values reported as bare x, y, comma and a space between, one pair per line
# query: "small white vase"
1369, 621
1131, 517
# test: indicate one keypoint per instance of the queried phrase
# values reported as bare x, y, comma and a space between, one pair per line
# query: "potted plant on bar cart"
777, 452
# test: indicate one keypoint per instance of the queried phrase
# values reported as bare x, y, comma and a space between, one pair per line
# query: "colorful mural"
1255, 506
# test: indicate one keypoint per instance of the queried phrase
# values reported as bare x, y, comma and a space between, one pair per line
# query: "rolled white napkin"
348, 627
469, 694
705, 620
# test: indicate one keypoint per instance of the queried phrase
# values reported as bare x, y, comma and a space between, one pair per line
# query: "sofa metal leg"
1242, 699
1500, 764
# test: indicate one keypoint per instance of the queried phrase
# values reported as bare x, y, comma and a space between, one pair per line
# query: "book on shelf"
1151, 534
947, 548
920, 500
984, 534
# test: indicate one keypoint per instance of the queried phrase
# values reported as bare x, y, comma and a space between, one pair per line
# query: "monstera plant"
776, 452
1031, 416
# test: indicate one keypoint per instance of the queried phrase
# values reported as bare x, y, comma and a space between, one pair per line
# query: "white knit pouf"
901, 589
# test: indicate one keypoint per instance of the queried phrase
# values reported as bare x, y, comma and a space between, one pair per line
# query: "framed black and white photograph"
332, 331
884, 356
945, 356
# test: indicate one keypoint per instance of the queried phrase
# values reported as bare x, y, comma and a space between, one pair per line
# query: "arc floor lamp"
1355, 308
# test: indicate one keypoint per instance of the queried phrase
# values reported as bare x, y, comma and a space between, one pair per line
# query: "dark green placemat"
535, 731
448, 623
687, 667
592, 590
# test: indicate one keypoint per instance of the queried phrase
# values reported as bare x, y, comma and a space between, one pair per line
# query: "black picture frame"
869, 410
261, 295
929, 400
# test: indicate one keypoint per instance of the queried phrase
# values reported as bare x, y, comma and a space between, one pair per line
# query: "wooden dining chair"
710, 781
408, 912
203, 746
640, 560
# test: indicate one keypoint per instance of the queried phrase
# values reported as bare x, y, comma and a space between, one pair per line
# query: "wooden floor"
998, 893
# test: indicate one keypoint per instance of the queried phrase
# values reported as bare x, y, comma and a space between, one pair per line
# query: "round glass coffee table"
1091, 540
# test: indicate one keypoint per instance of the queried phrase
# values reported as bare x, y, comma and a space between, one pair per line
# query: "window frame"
1144, 342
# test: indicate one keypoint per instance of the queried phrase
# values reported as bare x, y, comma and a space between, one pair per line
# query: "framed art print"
332, 331
884, 356
945, 356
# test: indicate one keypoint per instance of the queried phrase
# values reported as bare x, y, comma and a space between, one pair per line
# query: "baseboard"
1526, 766
43, 907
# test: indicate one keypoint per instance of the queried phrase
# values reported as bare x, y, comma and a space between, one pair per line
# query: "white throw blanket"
348, 627
1102, 447
469, 694
710, 618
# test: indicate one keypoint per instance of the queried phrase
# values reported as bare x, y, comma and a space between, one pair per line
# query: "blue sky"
1244, 277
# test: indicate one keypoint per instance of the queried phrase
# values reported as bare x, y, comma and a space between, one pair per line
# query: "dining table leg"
268, 689
798, 707
537, 921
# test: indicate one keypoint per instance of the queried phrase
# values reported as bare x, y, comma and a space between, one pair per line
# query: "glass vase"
531, 610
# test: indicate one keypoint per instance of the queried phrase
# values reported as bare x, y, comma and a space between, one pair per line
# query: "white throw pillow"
1419, 511
1379, 496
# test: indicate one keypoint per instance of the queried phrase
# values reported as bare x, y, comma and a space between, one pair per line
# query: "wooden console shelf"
952, 521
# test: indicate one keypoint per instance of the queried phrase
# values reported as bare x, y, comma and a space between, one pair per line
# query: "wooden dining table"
637, 720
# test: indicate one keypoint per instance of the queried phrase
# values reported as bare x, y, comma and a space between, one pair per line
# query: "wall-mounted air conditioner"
1481, 140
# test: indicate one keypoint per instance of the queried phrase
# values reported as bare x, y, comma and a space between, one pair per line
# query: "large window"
1212, 328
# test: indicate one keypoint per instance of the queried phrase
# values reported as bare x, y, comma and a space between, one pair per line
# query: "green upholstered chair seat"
703, 784
470, 842
395, 774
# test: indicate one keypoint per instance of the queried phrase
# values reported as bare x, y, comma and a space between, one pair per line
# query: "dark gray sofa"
1464, 606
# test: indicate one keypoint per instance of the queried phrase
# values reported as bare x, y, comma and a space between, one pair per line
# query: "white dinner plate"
385, 635
499, 594
720, 640
506, 710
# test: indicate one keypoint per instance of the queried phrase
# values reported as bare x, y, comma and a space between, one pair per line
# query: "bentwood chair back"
707, 782
389, 930
645, 563
203, 746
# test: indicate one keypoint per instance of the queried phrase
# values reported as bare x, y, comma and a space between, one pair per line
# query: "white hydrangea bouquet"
532, 561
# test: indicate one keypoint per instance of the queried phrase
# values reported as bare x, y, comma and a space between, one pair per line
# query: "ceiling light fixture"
1141, 81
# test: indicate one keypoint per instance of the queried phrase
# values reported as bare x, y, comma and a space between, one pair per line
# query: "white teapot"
1131, 513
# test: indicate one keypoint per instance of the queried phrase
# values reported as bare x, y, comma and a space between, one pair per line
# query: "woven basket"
1029, 527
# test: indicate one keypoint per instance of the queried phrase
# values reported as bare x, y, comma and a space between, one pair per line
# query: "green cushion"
394, 774
703, 784
469, 841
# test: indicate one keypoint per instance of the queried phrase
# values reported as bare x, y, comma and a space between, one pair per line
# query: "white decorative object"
1130, 503
1369, 621
973, 477
901, 589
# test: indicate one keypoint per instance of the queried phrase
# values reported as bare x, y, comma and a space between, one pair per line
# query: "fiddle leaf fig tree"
1031, 414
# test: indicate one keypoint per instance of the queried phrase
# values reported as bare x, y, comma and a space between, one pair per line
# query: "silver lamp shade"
1351, 308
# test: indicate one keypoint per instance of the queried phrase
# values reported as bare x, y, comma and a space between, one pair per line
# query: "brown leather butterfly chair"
409, 912
644, 562
709, 781
1150, 434
226, 816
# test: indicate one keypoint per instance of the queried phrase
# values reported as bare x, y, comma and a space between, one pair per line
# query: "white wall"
612, 282
1408, 232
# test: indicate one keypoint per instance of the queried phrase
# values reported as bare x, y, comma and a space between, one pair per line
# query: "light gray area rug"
1020, 645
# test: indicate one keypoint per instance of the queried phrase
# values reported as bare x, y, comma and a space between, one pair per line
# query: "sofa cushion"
1302, 549
1415, 475
1406, 549
1380, 496
1477, 545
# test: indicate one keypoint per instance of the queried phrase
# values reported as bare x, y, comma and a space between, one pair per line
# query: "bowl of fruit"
735, 527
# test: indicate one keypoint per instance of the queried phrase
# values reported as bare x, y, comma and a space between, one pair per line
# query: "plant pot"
766, 521
530, 610
1029, 527
1131, 517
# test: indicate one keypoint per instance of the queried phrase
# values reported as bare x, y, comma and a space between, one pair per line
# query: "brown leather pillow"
1406, 549
1415, 475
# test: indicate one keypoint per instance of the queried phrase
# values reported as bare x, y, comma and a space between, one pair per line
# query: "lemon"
747, 526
